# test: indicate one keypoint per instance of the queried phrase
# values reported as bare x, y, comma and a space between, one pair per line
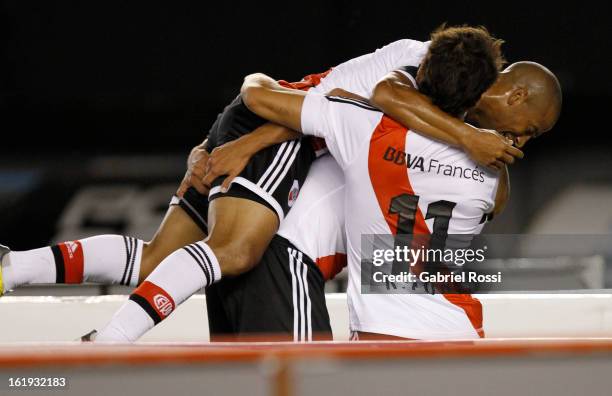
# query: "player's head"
461, 63
524, 102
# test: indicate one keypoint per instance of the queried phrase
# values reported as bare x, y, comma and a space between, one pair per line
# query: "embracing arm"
266, 98
231, 158
396, 97
269, 100
268, 135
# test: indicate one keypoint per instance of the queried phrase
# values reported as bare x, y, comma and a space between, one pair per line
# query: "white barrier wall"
506, 316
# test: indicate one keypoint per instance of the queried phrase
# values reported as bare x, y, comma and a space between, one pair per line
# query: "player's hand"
229, 159
196, 169
490, 149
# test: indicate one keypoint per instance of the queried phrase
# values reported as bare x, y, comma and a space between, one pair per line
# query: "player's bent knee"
236, 259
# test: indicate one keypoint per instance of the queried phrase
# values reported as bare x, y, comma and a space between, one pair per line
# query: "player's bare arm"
269, 100
231, 158
397, 97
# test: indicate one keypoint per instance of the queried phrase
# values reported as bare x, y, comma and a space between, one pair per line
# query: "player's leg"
243, 220
187, 270
108, 259
178, 229
240, 231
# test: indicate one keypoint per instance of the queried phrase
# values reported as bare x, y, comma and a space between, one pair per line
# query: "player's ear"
517, 96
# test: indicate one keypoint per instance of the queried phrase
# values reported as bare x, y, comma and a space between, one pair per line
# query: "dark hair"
462, 62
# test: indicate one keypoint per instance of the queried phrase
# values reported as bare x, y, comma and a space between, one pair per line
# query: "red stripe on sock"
73, 261
157, 297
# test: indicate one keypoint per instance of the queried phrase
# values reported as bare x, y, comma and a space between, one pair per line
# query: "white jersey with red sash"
384, 164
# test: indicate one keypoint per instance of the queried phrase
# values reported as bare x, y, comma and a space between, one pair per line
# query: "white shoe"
3, 251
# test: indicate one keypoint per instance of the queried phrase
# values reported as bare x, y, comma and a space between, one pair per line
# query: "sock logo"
163, 304
71, 248
69, 262
156, 302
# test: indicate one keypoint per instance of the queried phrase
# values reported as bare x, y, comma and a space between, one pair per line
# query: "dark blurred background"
115, 93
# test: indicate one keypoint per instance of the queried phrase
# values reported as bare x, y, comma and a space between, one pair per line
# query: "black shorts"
273, 177
283, 296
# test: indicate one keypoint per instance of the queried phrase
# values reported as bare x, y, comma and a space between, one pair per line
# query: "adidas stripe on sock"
107, 259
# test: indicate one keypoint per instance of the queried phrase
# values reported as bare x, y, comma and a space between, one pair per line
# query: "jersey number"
406, 205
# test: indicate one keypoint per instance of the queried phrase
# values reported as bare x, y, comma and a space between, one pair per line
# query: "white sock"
107, 259
128, 324
175, 279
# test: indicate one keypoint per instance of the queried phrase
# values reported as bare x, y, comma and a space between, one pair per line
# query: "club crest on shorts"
293, 193
163, 304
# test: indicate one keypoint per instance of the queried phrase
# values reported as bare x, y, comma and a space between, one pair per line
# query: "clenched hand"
489, 148
229, 159
196, 170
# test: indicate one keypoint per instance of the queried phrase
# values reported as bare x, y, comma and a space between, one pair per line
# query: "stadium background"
101, 102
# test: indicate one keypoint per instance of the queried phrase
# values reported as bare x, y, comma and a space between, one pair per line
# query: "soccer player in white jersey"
460, 316
523, 103
140, 261
362, 140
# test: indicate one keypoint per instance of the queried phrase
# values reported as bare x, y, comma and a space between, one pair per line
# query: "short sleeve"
360, 75
410, 72
402, 53
345, 124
